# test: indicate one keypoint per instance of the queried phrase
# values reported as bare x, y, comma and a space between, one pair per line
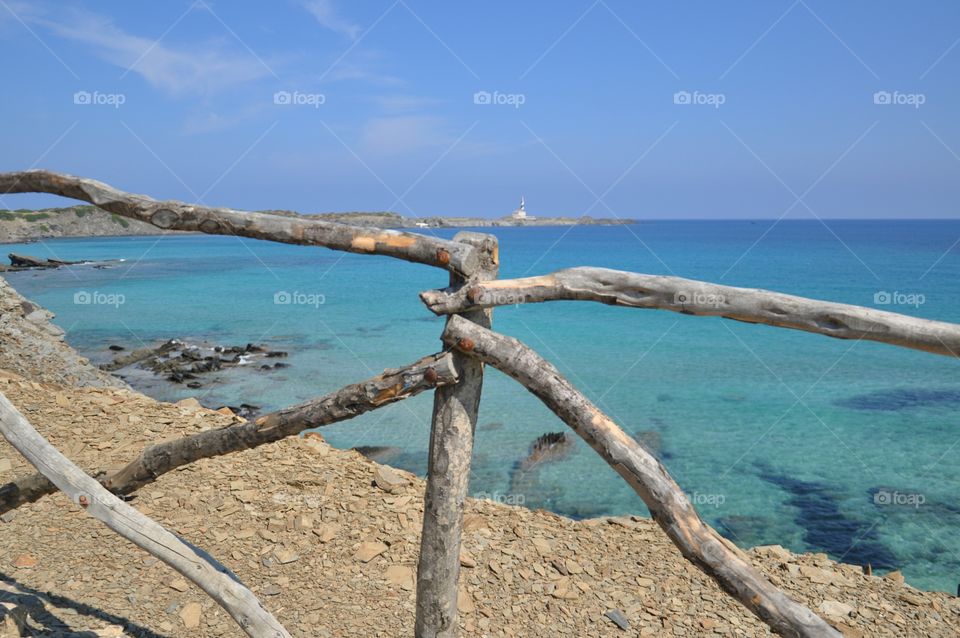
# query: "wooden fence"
456, 376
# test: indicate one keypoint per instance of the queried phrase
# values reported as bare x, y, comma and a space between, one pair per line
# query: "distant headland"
89, 221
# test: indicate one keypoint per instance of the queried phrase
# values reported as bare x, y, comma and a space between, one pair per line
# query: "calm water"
778, 436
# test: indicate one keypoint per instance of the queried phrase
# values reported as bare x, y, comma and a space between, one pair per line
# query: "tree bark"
691, 297
212, 577
668, 505
391, 386
173, 215
454, 422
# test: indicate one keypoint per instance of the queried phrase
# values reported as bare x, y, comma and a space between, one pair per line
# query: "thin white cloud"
199, 68
403, 134
405, 102
326, 14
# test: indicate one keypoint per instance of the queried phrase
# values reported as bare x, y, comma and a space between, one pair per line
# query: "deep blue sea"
849, 448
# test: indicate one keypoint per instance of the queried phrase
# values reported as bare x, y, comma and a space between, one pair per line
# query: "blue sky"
754, 109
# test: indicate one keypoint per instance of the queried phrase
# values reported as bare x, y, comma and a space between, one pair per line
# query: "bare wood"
750, 305
393, 385
668, 505
212, 577
174, 215
454, 422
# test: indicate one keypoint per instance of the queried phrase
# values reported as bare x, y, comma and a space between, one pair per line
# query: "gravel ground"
332, 554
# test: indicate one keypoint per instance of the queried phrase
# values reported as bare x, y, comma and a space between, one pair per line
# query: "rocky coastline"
23, 225
328, 539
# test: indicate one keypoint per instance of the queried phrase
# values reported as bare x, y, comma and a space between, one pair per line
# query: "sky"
780, 109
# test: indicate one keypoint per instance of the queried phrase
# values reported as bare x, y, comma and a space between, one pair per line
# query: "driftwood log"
173, 215
668, 505
393, 385
212, 577
750, 305
452, 428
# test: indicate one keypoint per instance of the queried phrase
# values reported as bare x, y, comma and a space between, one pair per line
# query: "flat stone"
190, 615
286, 556
24, 560
271, 590
325, 533
370, 550
895, 576
617, 618
465, 602
401, 576
388, 480
179, 584
835, 609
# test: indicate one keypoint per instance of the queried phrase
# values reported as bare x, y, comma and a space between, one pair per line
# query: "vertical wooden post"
448, 474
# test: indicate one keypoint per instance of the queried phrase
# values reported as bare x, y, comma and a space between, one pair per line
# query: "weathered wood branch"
454, 422
668, 505
212, 577
750, 305
174, 215
393, 385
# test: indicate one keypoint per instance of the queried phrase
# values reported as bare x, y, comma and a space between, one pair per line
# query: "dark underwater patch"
900, 399
825, 528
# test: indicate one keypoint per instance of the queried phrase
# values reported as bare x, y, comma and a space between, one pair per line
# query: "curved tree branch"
212, 577
295, 229
391, 386
668, 505
750, 305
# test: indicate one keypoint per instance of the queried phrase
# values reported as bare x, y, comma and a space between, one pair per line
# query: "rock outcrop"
33, 346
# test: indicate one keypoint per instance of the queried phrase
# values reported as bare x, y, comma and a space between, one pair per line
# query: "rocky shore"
328, 538
90, 221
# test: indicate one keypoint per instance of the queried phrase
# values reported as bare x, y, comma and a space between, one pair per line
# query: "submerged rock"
826, 527
900, 399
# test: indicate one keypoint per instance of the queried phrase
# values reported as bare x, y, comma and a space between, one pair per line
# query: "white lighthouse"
521, 213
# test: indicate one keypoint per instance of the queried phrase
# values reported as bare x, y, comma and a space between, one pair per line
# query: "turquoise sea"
849, 448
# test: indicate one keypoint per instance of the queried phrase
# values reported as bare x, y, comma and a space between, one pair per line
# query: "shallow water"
778, 436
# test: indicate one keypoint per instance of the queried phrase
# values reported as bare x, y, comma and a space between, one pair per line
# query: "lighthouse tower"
521, 213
